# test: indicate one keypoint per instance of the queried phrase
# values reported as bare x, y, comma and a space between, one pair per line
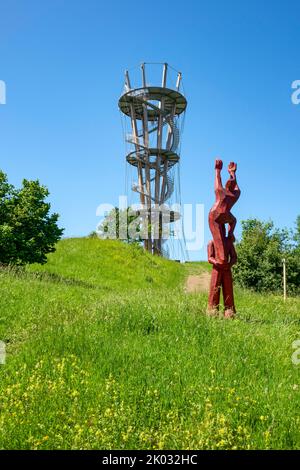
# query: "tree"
296, 233
120, 224
260, 254
294, 258
27, 231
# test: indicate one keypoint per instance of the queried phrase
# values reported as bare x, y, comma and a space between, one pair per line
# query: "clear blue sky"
63, 64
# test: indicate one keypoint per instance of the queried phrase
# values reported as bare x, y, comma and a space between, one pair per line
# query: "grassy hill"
106, 350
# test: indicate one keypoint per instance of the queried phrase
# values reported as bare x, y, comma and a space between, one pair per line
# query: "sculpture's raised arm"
231, 184
218, 179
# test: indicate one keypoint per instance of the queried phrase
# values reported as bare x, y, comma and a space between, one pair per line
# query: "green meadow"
105, 350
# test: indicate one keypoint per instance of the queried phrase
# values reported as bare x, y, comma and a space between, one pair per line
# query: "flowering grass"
106, 351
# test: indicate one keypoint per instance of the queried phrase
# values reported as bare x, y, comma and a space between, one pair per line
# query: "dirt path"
197, 283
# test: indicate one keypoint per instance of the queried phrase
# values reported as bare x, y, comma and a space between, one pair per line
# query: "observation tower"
153, 116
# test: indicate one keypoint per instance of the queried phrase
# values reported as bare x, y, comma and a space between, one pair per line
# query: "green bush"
116, 226
27, 231
261, 251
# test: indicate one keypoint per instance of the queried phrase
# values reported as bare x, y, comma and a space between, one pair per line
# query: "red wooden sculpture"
221, 251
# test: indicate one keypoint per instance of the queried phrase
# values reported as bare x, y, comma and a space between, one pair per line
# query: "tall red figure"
221, 251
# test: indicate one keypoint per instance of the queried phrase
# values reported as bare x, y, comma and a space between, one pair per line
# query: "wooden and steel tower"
155, 115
